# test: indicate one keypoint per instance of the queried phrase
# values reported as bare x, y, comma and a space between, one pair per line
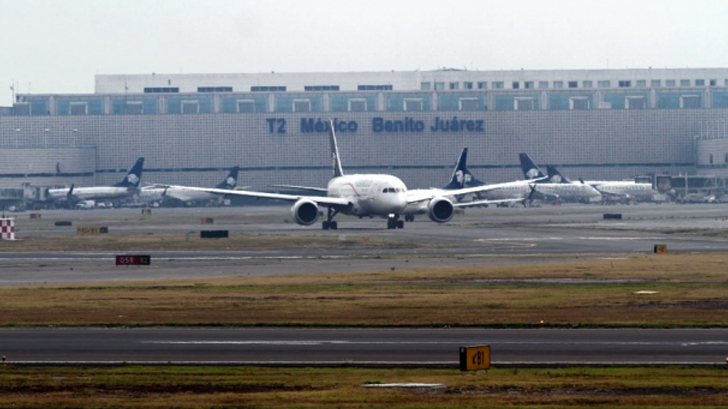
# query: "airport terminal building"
594, 124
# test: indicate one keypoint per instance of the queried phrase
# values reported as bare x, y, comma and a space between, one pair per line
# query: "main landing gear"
393, 222
328, 223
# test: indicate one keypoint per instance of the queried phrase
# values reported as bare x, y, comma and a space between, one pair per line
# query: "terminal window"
713, 83
689, 101
558, 84
641, 84
246, 106
374, 88
684, 83
655, 83
468, 104
516, 84
498, 85
578, 103
190, 107
587, 84
467, 85
484, 84
635, 103
321, 88
425, 86
528, 85
413, 104
267, 88
604, 84
134, 108
454, 85
78, 108
523, 104
214, 89
22, 109
357, 105
573, 84
301, 105
669, 83
160, 90
439, 86
699, 83
543, 84
625, 84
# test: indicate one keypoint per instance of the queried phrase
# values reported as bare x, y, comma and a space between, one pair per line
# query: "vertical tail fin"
231, 180
461, 176
134, 177
555, 176
530, 170
336, 159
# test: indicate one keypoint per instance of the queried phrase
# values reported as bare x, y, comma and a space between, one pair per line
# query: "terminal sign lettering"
382, 125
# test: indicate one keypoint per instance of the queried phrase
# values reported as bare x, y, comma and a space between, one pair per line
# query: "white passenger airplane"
555, 186
365, 195
127, 187
150, 194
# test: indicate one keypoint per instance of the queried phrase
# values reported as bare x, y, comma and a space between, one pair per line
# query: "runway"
394, 347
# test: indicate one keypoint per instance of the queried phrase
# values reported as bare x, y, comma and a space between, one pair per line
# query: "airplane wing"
308, 188
486, 202
319, 200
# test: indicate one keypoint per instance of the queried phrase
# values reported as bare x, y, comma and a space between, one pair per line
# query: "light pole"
45, 138
75, 131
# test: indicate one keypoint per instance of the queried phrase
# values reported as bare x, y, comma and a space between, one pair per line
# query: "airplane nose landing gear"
393, 222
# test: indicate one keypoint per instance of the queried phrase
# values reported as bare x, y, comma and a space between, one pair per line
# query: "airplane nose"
400, 202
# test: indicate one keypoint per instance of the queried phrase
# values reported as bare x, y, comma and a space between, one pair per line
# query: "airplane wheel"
409, 218
325, 225
390, 224
334, 225
400, 224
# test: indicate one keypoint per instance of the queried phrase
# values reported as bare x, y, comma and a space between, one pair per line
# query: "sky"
57, 46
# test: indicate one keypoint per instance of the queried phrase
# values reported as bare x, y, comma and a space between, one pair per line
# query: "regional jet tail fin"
461, 176
530, 170
231, 180
555, 176
335, 158
134, 177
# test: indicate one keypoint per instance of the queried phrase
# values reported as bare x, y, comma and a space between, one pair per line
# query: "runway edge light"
475, 358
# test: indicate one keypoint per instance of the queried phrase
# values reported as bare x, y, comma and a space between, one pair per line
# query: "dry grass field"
245, 387
661, 290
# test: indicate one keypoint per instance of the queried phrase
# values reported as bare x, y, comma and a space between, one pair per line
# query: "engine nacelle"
305, 212
440, 210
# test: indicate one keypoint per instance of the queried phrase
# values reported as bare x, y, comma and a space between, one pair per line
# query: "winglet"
336, 159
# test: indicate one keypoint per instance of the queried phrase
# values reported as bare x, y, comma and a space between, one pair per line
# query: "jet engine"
440, 210
305, 212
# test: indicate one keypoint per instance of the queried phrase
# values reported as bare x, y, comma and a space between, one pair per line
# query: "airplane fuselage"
626, 189
153, 194
90, 193
569, 191
370, 195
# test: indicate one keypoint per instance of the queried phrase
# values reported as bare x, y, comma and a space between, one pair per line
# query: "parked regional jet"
615, 189
169, 196
555, 186
358, 195
127, 187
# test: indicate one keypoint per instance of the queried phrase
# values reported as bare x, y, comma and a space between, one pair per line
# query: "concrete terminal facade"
596, 124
